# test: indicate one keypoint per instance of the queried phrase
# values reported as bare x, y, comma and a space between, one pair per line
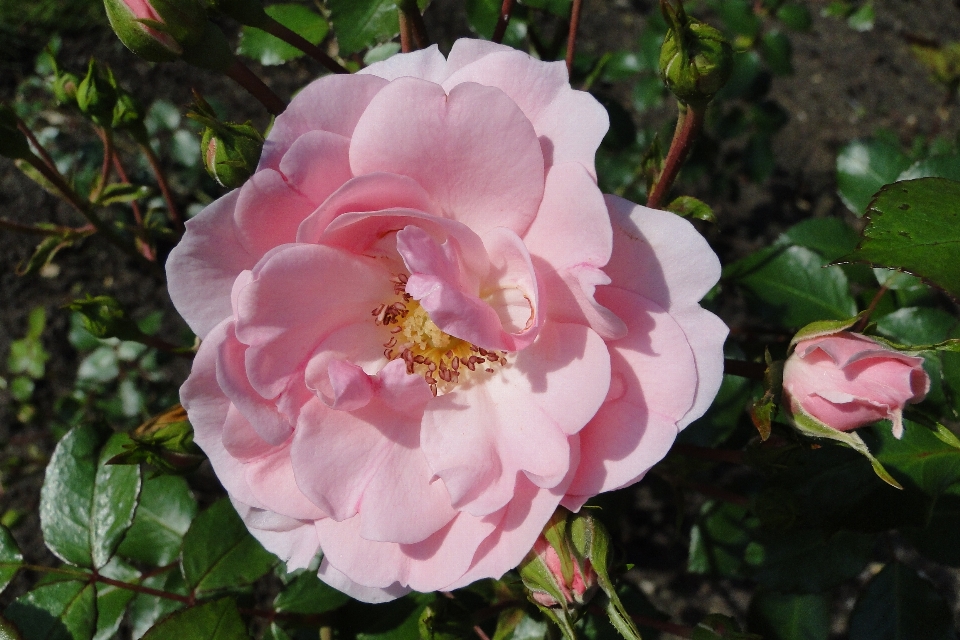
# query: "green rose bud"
695, 59
166, 442
13, 144
157, 30
96, 95
128, 116
230, 151
65, 88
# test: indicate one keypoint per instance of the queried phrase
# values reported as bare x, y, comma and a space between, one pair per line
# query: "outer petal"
662, 257
481, 436
653, 387
293, 541
333, 103
426, 64
474, 151
201, 269
300, 294
426, 566
570, 123
372, 595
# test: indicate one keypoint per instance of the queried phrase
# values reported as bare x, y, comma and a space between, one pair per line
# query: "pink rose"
846, 380
424, 327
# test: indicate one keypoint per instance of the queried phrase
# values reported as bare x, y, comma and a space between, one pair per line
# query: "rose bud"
846, 380
554, 574
230, 151
695, 59
157, 30
65, 88
96, 95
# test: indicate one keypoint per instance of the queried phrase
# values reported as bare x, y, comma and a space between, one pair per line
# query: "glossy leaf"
865, 166
162, 518
779, 616
307, 594
360, 24
10, 558
915, 226
218, 620
945, 166
270, 50
921, 456
830, 237
794, 286
112, 601
145, 610
56, 610
915, 326
898, 604
810, 560
219, 552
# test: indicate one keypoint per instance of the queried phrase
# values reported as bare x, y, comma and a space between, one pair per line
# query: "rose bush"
846, 380
424, 327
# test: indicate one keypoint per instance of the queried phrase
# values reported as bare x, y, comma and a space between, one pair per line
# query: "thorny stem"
242, 75
293, 38
502, 21
161, 177
865, 320
106, 136
38, 148
572, 35
413, 32
689, 125
744, 369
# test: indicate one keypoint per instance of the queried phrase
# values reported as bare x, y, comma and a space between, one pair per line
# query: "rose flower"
846, 380
424, 327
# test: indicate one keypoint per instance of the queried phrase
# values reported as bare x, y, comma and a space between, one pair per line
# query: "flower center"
442, 359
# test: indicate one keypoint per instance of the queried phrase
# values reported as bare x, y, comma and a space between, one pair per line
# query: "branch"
242, 75
158, 172
502, 21
689, 125
106, 136
53, 230
572, 35
413, 32
25, 130
865, 320
293, 38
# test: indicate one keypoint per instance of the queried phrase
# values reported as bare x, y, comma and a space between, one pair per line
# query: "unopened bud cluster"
695, 59
230, 151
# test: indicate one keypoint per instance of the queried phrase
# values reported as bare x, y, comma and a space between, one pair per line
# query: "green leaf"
690, 207
8, 631
933, 167
795, 285
516, 624
830, 237
865, 166
145, 610
217, 620
10, 558
777, 52
482, 15
85, 507
915, 326
862, 19
270, 50
360, 24
112, 601
56, 610
27, 355
219, 552
781, 616
900, 605
124, 192
915, 226
162, 518
795, 16
921, 456
810, 560
719, 539
45, 252
307, 594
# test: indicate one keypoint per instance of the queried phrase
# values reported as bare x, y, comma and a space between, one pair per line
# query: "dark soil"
846, 85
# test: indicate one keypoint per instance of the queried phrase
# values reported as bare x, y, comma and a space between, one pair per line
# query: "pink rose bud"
576, 590
846, 380
156, 30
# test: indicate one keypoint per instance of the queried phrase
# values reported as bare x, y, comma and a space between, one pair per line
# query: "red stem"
161, 177
689, 125
25, 130
413, 32
572, 35
291, 37
106, 137
865, 320
242, 75
502, 21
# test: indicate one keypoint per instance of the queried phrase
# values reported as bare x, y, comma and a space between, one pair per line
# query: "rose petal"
268, 212
295, 542
317, 164
473, 151
426, 64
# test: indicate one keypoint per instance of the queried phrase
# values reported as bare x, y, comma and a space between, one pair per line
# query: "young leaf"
217, 620
900, 605
915, 226
56, 610
162, 518
219, 552
124, 192
785, 616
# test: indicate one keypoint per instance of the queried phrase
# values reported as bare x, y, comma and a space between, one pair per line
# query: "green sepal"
763, 411
136, 36
166, 442
64, 88
823, 328
810, 426
230, 151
